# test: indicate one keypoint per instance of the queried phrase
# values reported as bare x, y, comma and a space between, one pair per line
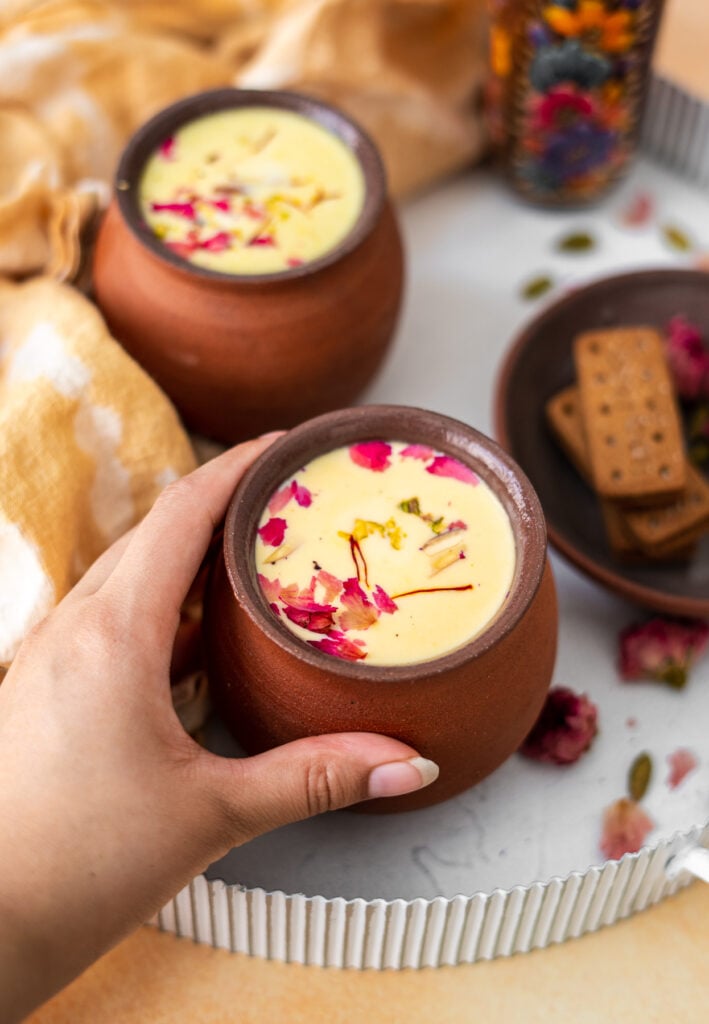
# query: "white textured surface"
470, 248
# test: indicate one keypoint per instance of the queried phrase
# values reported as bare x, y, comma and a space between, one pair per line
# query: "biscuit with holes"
630, 415
563, 414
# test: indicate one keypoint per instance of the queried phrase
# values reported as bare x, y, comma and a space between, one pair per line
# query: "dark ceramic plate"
539, 364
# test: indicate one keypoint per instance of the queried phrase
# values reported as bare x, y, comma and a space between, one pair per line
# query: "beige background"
650, 968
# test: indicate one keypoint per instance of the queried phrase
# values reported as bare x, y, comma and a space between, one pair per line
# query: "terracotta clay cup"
242, 354
468, 710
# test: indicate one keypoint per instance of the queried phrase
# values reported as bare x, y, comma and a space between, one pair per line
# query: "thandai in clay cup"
251, 260
384, 569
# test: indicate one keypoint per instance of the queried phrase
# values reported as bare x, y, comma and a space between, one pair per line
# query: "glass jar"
566, 92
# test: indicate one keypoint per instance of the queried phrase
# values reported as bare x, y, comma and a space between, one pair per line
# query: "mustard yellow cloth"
77, 77
87, 442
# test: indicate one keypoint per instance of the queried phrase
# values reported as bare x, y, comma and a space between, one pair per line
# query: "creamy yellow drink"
385, 552
252, 190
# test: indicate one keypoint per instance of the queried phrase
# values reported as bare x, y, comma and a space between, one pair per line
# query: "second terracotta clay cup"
468, 710
242, 354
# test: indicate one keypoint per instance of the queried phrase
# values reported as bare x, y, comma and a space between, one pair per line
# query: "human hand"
109, 808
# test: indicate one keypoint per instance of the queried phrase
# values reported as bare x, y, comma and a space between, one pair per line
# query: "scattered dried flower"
292, 490
687, 357
383, 602
625, 828
662, 649
681, 763
639, 210
565, 728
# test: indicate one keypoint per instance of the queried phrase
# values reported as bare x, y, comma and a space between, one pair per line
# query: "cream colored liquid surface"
254, 190
406, 519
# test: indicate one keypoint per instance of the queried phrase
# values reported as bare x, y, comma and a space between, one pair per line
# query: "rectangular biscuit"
667, 531
630, 415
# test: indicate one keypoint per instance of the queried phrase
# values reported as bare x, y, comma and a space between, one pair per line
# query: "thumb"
309, 776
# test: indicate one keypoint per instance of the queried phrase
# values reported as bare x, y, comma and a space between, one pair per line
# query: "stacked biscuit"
621, 428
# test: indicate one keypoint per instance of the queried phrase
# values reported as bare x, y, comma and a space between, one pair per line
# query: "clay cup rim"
148, 137
389, 422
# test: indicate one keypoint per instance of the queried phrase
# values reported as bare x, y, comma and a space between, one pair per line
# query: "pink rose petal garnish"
337, 644
444, 465
262, 240
565, 728
359, 612
182, 249
216, 243
271, 588
625, 827
318, 618
681, 763
458, 524
166, 149
330, 584
220, 204
417, 451
254, 212
371, 455
292, 490
639, 210
293, 261
662, 649
273, 532
180, 209
383, 602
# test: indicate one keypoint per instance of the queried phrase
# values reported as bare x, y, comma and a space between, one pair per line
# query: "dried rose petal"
292, 490
166, 149
383, 602
293, 261
220, 204
687, 357
458, 524
330, 584
180, 209
444, 465
371, 455
262, 240
254, 212
271, 588
337, 644
216, 243
417, 451
662, 649
273, 532
318, 618
625, 827
565, 728
359, 612
639, 210
681, 763
183, 249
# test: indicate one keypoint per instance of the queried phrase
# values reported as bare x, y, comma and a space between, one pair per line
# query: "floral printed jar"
566, 92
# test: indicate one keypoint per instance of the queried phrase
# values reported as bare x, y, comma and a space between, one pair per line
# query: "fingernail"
399, 777
272, 434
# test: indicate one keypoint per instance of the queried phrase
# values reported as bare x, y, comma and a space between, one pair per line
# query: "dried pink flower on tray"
339, 645
564, 730
639, 210
688, 358
681, 763
625, 828
662, 649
